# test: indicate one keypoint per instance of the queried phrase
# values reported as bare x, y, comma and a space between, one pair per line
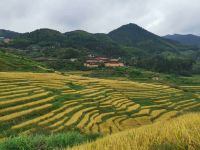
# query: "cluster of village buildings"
103, 61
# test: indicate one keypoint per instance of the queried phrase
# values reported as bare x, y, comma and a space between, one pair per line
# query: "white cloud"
158, 16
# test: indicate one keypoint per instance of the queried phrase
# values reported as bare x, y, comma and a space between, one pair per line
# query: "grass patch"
60, 99
75, 86
46, 142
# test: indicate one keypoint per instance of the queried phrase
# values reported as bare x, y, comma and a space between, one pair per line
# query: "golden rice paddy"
30, 102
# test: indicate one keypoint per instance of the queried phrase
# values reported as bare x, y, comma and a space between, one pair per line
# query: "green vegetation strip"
46, 142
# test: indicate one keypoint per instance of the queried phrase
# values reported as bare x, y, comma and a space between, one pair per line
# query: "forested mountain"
188, 39
8, 34
95, 43
40, 37
133, 35
100, 44
135, 45
123, 41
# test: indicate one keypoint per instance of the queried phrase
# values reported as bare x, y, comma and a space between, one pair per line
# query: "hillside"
95, 43
111, 44
185, 39
133, 44
179, 133
40, 37
8, 34
35, 103
47, 39
135, 36
10, 62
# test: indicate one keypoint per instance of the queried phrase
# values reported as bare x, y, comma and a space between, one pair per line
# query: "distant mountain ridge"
132, 43
111, 44
8, 34
96, 43
134, 35
130, 35
99, 43
188, 39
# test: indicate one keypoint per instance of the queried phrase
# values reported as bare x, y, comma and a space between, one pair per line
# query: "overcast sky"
158, 16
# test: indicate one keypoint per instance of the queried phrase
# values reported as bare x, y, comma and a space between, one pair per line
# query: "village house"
114, 63
92, 63
102, 61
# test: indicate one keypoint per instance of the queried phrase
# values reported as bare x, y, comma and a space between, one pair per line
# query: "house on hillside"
92, 63
103, 61
114, 63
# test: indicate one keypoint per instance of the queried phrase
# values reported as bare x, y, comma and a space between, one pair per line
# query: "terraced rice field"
195, 88
31, 102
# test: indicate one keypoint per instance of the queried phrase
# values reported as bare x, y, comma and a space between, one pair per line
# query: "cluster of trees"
175, 65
